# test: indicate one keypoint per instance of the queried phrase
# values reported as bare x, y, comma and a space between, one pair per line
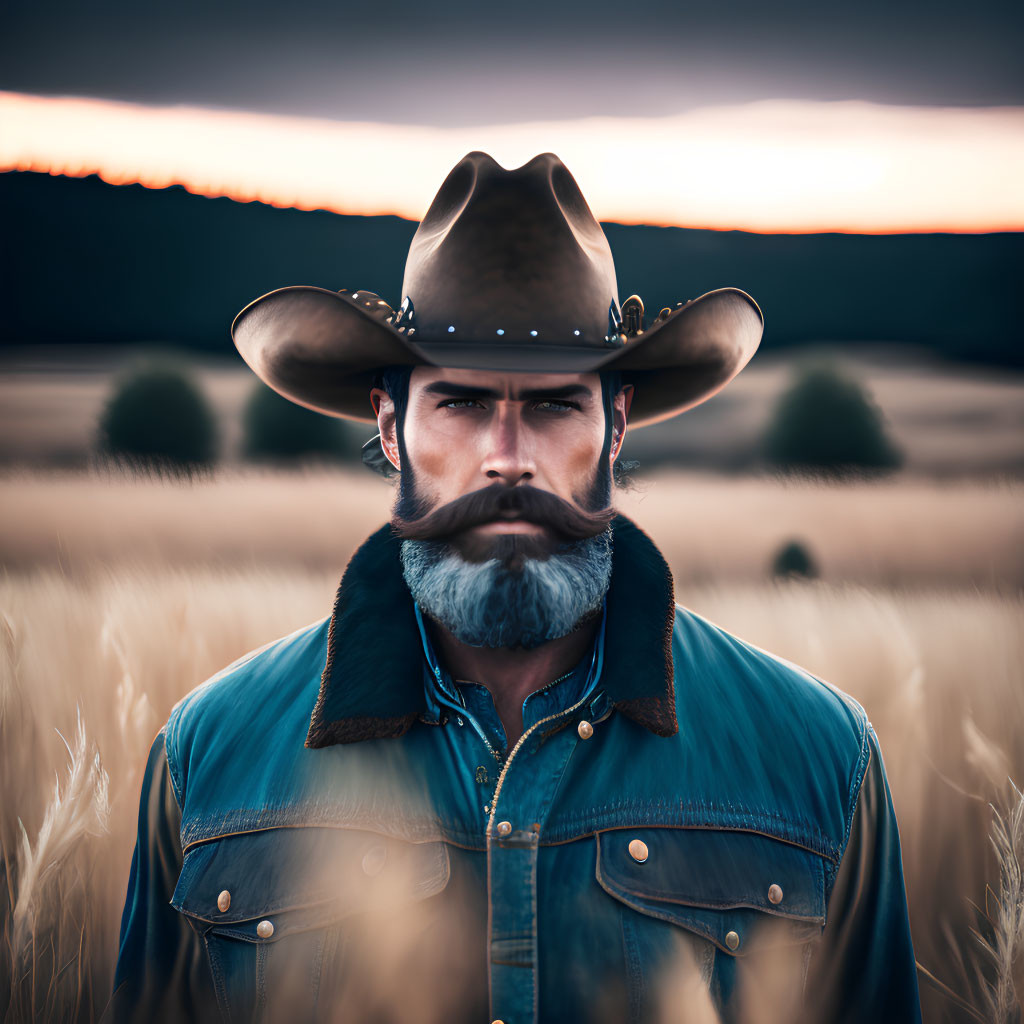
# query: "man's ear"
620, 414
384, 409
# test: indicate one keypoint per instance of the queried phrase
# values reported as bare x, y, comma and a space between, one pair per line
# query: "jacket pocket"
717, 898
276, 907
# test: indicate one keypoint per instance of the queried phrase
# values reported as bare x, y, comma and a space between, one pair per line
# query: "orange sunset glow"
769, 166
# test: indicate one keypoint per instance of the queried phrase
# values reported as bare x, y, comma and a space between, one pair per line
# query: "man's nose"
508, 454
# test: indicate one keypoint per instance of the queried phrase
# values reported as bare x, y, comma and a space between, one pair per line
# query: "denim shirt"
472, 703
684, 816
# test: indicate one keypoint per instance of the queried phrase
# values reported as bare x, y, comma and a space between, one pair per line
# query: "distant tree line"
166, 266
158, 417
825, 423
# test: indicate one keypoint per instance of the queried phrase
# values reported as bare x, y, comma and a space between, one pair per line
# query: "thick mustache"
498, 501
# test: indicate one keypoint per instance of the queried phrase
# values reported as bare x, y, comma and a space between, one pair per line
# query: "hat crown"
508, 272
515, 256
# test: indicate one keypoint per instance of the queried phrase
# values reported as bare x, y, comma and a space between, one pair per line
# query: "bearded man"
508, 778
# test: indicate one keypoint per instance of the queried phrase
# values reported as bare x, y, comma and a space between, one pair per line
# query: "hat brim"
322, 349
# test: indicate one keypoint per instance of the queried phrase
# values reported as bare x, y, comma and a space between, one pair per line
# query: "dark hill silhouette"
92, 262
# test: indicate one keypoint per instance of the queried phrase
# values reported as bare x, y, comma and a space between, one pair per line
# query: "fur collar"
372, 683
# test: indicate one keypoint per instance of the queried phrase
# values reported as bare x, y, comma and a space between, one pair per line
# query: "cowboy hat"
508, 271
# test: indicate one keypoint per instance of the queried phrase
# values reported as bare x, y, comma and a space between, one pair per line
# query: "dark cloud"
465, 62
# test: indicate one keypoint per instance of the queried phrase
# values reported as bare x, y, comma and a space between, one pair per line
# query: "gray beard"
484, 604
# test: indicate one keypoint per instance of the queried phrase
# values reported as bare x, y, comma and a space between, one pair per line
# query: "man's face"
503, 504
467, 429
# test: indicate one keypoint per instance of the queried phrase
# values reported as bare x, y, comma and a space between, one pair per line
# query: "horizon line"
412, 220
777, 167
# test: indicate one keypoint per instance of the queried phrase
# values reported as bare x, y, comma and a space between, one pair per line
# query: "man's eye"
456, 403
544, 405
555, 405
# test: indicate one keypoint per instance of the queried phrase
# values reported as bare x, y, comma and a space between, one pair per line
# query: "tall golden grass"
100, 638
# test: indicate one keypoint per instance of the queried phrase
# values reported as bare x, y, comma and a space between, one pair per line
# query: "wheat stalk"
77, 809
135, 713
1005, 941
11, 645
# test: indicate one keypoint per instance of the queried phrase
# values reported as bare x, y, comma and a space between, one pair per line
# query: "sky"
783, 116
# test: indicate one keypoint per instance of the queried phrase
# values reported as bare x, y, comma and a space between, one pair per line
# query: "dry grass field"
120, 594
902, 531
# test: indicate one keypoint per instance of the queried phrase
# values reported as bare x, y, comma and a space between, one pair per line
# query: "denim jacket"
330, 830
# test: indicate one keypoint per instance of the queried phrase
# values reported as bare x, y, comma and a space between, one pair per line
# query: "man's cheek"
444, 460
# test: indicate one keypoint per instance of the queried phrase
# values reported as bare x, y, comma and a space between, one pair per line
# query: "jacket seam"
451, 840
341, 827
172, 772
217, 974
860, 772
787, 830
856, 784
743, 830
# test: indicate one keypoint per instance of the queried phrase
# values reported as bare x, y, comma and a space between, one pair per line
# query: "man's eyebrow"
569, 391
451, 390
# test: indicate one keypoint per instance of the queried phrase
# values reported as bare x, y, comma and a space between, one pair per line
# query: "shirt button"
732, 940
504, 828
638, 850
224, 901
775, 893
265, 929
585, 729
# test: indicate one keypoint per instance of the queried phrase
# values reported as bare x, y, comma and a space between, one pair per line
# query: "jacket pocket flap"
740, 890
263, 885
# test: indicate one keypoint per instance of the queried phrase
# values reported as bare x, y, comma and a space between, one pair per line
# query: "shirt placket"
519, 810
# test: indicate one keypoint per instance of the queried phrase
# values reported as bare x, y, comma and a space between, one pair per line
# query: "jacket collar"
372, 683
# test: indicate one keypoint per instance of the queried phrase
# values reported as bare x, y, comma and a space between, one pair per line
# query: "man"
508, 778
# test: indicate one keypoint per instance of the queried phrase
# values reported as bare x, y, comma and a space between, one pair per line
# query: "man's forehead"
502, 384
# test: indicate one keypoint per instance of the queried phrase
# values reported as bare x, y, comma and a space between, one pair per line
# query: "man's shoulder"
255, 694
730, 662
774, 728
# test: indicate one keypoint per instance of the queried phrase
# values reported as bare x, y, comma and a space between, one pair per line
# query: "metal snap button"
638, 850
504, 828
373, 860
775, 893
585, 729
265, 929
732, 940
224, 901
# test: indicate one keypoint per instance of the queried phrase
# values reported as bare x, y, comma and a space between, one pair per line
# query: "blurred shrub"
158, 416
827, 423
277, 430
793, 559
